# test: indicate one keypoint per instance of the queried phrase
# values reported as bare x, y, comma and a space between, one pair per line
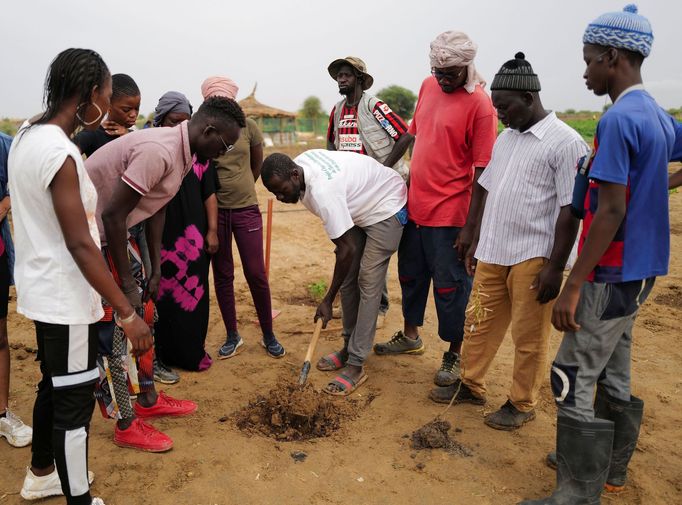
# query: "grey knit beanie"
516, 75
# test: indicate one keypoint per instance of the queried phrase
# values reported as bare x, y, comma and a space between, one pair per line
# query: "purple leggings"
247, 227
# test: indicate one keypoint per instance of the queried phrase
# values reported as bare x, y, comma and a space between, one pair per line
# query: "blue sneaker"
229, 348
273, 347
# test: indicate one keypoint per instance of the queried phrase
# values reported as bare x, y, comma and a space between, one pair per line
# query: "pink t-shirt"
455, 133
152, 161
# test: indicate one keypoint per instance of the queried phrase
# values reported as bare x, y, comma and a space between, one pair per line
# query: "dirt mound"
672, 297
289, 412
434, 435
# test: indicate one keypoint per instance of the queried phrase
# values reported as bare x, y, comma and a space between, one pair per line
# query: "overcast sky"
286, 45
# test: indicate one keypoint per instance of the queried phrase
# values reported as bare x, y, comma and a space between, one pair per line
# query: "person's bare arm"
399, 149
114, 216
211, 207
607, 219
466, 234
70, 213
256, 160
469, 257
154, 233
345, 252
548, 280
675, 180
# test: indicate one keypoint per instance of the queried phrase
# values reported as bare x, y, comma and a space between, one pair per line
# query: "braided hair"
73, 73
222, 109
123, 85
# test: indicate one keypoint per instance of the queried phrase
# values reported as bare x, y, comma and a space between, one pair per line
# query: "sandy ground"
369, 461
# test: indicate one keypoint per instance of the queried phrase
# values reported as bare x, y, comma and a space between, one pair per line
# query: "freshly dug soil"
434, 435
292, 412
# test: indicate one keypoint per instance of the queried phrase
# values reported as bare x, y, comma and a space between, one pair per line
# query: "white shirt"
348, 189
50, 286
529, 177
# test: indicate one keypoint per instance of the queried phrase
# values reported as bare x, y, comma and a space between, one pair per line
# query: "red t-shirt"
349, 136
455, 133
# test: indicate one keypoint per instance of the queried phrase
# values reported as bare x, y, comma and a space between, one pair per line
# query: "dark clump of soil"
671, 298
292, 412
434, 435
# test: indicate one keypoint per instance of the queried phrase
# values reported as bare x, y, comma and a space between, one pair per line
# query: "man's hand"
563, 314
152, 289
548, 283
114, 129
139, 334
324, 311
463, 242
212, 243
469, 259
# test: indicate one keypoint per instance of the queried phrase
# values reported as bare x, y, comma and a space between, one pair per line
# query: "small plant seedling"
317, 290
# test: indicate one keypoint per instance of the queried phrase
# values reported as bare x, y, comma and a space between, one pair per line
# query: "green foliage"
400, 99
312, 108
569, 111
317, 290
585, 127
676, 113
142, 119
9, 126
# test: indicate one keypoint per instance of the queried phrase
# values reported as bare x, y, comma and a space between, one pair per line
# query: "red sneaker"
165, 406
143, 436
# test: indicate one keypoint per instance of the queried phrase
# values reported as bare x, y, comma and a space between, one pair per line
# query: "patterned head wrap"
456, 49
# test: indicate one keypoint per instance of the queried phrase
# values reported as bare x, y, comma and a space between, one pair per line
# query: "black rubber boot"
627, 419
583, 457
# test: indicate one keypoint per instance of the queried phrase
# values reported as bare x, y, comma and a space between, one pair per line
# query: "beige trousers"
500, 295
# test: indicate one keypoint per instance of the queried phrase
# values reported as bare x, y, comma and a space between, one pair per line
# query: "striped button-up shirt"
529, 177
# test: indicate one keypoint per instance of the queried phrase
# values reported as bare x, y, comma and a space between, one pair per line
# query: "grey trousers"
599, 352
361, 289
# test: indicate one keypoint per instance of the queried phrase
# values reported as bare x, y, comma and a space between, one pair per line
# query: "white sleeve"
335, 215
53, 160
565, 169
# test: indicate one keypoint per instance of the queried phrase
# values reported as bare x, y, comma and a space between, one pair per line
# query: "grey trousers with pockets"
599, 352
362, 288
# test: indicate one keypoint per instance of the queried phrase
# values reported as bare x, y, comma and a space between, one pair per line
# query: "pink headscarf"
219, 86
456, 49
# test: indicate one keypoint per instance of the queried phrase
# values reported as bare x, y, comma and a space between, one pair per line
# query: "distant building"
278, 126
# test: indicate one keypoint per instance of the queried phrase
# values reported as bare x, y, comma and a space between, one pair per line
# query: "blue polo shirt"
634, 143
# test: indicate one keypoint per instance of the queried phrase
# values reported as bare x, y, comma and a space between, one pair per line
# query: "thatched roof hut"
276, 124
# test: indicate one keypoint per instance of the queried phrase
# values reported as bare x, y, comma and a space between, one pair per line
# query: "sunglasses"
440, 75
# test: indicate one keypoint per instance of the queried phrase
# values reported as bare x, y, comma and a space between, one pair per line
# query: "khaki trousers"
500, 295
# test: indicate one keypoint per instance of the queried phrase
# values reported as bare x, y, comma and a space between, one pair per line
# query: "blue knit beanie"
621, 30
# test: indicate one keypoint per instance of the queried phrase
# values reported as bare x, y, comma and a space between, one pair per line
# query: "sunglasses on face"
440, 75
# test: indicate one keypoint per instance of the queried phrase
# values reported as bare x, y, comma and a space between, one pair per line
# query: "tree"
312, 108
400, 99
